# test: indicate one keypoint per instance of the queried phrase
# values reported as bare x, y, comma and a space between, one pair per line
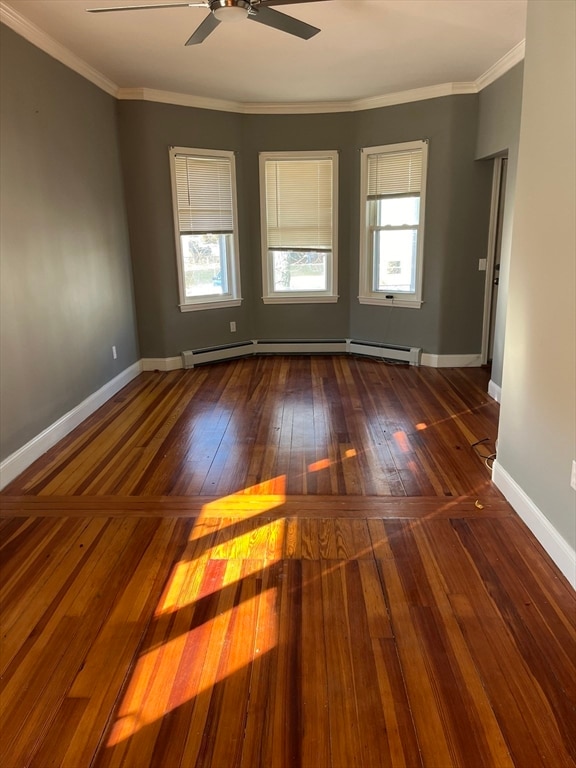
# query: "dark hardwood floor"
281, 562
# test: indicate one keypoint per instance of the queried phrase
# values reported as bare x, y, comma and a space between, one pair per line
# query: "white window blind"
394, 174
204, 194
299, 204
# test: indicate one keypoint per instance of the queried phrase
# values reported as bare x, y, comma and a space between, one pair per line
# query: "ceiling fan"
232, 10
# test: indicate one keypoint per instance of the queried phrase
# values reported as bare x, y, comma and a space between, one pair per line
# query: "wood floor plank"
315, 703
345, 740
485, 740
281, 563
421, 686
240, 506
400, 732
375, 748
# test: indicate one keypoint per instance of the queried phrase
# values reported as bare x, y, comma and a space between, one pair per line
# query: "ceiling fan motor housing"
230, 10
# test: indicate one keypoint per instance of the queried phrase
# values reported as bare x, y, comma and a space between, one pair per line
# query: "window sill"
210, 305
299, 299
382, 302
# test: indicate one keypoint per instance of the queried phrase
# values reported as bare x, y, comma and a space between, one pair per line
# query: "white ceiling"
366, 49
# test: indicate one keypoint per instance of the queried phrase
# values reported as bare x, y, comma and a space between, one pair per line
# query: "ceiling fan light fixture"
230, 10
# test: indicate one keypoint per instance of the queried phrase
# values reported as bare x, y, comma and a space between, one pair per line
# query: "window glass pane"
395, 260
398, 211
300, 271
205, 259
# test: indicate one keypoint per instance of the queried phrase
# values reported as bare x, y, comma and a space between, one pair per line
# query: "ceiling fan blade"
283, 22
146, 7
207, 27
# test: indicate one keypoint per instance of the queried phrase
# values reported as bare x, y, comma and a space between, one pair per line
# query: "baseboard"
15, 464
161, 363
451, 361
312, 347
494, 391
555, 545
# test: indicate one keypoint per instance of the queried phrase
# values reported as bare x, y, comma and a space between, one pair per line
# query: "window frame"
233, 296
367, 293
269, 295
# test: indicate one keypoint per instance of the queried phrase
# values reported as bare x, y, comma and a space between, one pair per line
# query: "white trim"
270, 295
509, 60
210, 304
367, 268
44, 42
495, 391
177, 99
15, 464
232, 260
451, 361
395, 302
491, 255
161, 363
299, 298
298, 108
554, 544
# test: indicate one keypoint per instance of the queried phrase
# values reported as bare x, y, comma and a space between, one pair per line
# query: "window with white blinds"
394, 173
298, 217
393, 183
204, 194
204, 201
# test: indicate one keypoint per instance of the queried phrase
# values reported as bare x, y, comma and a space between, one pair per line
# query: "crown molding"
178, 99
41, 40
509, 60
294, 108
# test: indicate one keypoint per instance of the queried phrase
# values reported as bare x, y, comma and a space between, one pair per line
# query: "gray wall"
457, 214
498, 135
537, 440
66, 283
450, 321
147, 131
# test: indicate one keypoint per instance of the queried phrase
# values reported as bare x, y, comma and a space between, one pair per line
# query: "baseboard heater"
190, 358
300, 347
411, 355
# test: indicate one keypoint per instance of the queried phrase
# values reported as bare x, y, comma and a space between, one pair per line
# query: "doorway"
493, 258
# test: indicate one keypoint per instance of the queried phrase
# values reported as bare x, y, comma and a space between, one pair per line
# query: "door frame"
495, 209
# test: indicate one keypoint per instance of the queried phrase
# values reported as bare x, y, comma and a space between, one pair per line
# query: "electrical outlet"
233, 326
114, 353
573, 476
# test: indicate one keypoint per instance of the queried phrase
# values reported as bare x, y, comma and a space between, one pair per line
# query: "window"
393, 182
204, 200
299, 226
